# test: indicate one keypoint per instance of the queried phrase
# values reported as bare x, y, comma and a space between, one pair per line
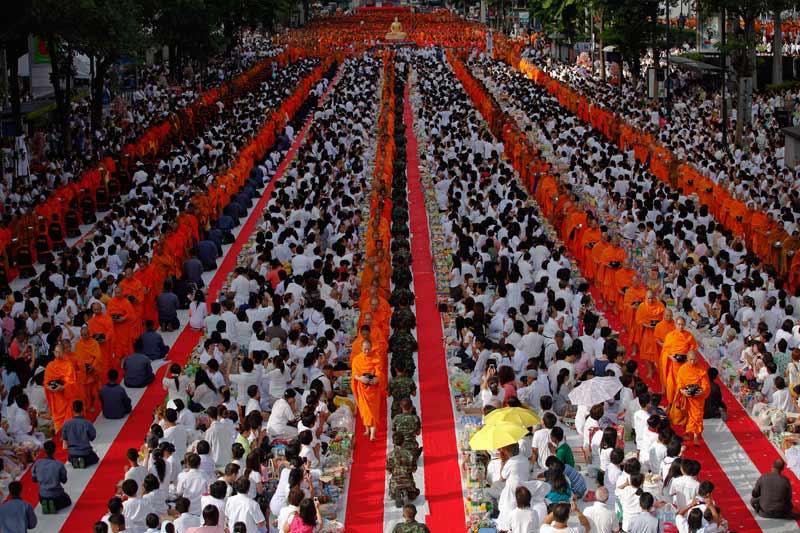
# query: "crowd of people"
268, 376
152, 100
756, 173
746, 319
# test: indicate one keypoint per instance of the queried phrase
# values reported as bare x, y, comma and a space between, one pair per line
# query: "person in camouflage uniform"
401, 386
410, 524
407, 423
401, 465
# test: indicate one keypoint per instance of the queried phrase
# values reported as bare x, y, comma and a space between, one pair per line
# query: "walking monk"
693, 387
60, 386
125, 320
101, 328
88, 353
678, 342
369, 387
648, 316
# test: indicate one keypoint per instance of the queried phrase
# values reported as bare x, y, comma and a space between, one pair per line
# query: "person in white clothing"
516, 471
192, 484
281, 419
523, 519
240, 508
221, 434
600, 515
644, 522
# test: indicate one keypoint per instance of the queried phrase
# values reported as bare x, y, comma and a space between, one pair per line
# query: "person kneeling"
401, 465
78, 434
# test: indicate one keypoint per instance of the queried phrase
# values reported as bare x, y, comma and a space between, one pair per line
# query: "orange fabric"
676, 342
60, 402
634, 296
369, 397
133, 288
102, 325
87, 352
125, 327
689, 410
646, 314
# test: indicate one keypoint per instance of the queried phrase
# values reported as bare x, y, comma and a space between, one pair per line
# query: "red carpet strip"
92, 503
442, 473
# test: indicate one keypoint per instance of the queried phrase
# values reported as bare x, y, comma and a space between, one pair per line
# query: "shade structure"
596, 390
515, 415
497, 436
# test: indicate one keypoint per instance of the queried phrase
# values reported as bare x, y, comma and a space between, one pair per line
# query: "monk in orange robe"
134, 291
589, 237
124, 318
634, 296
679, 341
101, 328
648, 316
693, 387
369, 385
60, 387
623, 279
593, 259
612, 258
88, 353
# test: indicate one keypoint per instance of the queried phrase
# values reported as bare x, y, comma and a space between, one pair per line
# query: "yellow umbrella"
516, 415
496, 436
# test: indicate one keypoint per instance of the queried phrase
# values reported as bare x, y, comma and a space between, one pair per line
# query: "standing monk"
87, 351
693, 387
634, 296
134, 291
680, 343
648, 316
101, 328
59, 387
79, 391
124, 318
369, 386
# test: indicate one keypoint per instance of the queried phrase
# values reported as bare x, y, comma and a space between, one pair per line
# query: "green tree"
14, 29
740, 46
110, 30
630, 26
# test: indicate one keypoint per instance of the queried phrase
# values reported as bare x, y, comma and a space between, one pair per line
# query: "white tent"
80, 63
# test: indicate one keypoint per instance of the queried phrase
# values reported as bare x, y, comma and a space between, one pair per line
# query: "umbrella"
594, 391
497, 436
516, 415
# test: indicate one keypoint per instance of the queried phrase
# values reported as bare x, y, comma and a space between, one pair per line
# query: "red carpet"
367, 481
92, 503
443, 490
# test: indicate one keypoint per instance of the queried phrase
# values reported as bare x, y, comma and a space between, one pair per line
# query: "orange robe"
125, 331
368, 397
103, 325
589, 237
634, 296
60, 402
646, 314
676, 342
593, 259
89, 354
605, 273
133, 288
623, 278
688, 411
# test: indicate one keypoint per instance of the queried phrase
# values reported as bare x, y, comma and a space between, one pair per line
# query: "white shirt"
219, 504
192, 485
541, 442
178, 436
279, 417
135, 511
184, 522
240, 508
683, 489
523, 521
601, 517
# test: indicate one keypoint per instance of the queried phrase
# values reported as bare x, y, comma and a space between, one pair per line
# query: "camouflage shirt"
408, 425
411, 527
401, 464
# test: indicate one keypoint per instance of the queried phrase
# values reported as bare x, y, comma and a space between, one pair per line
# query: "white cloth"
240, 508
